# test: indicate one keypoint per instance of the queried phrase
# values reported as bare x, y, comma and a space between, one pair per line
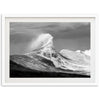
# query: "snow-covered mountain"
78, 59
65, 60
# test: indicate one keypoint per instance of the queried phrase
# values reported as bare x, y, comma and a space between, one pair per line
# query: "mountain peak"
43, 42
45, 47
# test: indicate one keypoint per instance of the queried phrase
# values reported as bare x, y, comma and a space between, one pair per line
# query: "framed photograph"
43, 50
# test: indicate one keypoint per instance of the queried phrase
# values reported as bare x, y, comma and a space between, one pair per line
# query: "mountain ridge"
44, 58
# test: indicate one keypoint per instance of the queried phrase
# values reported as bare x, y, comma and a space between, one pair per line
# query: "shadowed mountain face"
45, 61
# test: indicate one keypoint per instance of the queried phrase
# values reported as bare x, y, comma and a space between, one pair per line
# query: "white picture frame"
6, 81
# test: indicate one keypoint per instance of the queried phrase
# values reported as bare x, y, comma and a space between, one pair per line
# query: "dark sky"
67, 35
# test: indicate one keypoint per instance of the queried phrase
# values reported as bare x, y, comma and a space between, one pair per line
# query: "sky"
67, 35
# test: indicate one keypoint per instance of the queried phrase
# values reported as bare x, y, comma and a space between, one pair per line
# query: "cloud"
67, 30
71, 35
41, 41
26, 31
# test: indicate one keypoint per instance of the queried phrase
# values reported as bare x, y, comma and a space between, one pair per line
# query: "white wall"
53, 7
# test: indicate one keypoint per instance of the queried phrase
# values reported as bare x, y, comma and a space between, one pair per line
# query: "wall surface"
52, 7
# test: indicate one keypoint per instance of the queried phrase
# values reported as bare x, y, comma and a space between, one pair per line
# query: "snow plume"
41, 41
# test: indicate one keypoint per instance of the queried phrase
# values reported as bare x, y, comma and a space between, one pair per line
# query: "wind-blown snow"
42, 41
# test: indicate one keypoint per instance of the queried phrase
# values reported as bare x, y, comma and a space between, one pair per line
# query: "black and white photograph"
50, 49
